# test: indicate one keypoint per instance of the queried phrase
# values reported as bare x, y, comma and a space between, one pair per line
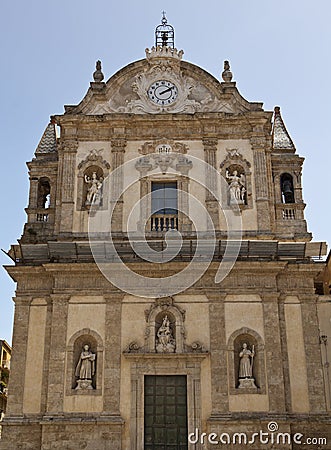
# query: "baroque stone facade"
88, 335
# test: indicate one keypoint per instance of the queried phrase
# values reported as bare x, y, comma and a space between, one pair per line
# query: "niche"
249, 343
165, 332
92, 187
84, 345
248, 382
237, 192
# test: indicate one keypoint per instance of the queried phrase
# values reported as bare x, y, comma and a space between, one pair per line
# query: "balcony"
164, 222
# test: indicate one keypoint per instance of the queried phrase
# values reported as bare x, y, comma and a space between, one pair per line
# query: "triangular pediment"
162, 83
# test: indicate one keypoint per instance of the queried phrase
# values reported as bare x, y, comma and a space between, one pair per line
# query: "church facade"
165, 276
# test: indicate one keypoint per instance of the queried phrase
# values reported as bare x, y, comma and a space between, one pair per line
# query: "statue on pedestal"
246, 379
165, 341
237, 187
94, 190
85, 369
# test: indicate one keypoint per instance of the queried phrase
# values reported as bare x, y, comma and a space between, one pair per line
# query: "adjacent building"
5, 355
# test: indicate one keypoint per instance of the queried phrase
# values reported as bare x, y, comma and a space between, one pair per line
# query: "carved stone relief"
164, 66
165, 330
163, 145
164, 161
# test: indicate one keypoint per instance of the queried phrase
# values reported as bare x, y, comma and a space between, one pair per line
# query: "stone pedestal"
246, 383
84, 384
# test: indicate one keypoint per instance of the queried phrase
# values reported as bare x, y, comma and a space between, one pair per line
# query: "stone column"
112, 362
57, 354
117, 152
67, 165
218, 354
210, 148
313, 353
261, 182
273, 353
18, 361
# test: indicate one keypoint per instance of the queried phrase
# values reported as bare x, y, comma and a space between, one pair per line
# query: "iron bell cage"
164, 34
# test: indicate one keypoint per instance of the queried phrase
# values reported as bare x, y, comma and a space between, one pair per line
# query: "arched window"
44, 193
287, 188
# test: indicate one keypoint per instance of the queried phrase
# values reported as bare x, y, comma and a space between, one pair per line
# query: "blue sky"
279, 53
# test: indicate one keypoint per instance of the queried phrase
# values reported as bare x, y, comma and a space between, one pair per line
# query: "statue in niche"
246, 379
94, 191
165, 341
237, 187
85, 368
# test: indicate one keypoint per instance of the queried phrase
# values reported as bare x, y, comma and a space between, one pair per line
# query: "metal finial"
164, 33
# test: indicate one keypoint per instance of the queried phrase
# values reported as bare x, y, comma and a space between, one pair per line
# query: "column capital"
59, 299
258, 142
115, 297
209, 143
68, 145
21, 300
118, 144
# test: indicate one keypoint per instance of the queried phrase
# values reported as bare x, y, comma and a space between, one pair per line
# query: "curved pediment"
162, 83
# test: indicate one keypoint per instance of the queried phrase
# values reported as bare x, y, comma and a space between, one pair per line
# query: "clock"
163, 92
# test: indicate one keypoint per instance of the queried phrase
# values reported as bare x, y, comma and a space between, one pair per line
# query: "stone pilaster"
261, 183
47, 353
218, 354
33, 193
112, 362
284, 349
273, 352
67, 165
18, 361
313, 353
56, 369
117, 152
210, 149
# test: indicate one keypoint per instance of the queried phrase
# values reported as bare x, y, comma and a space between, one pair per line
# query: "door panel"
165, 413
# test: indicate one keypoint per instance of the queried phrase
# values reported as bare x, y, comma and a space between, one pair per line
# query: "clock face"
163, 92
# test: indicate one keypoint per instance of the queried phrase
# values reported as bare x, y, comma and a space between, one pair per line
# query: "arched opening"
44, 193
287, 188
